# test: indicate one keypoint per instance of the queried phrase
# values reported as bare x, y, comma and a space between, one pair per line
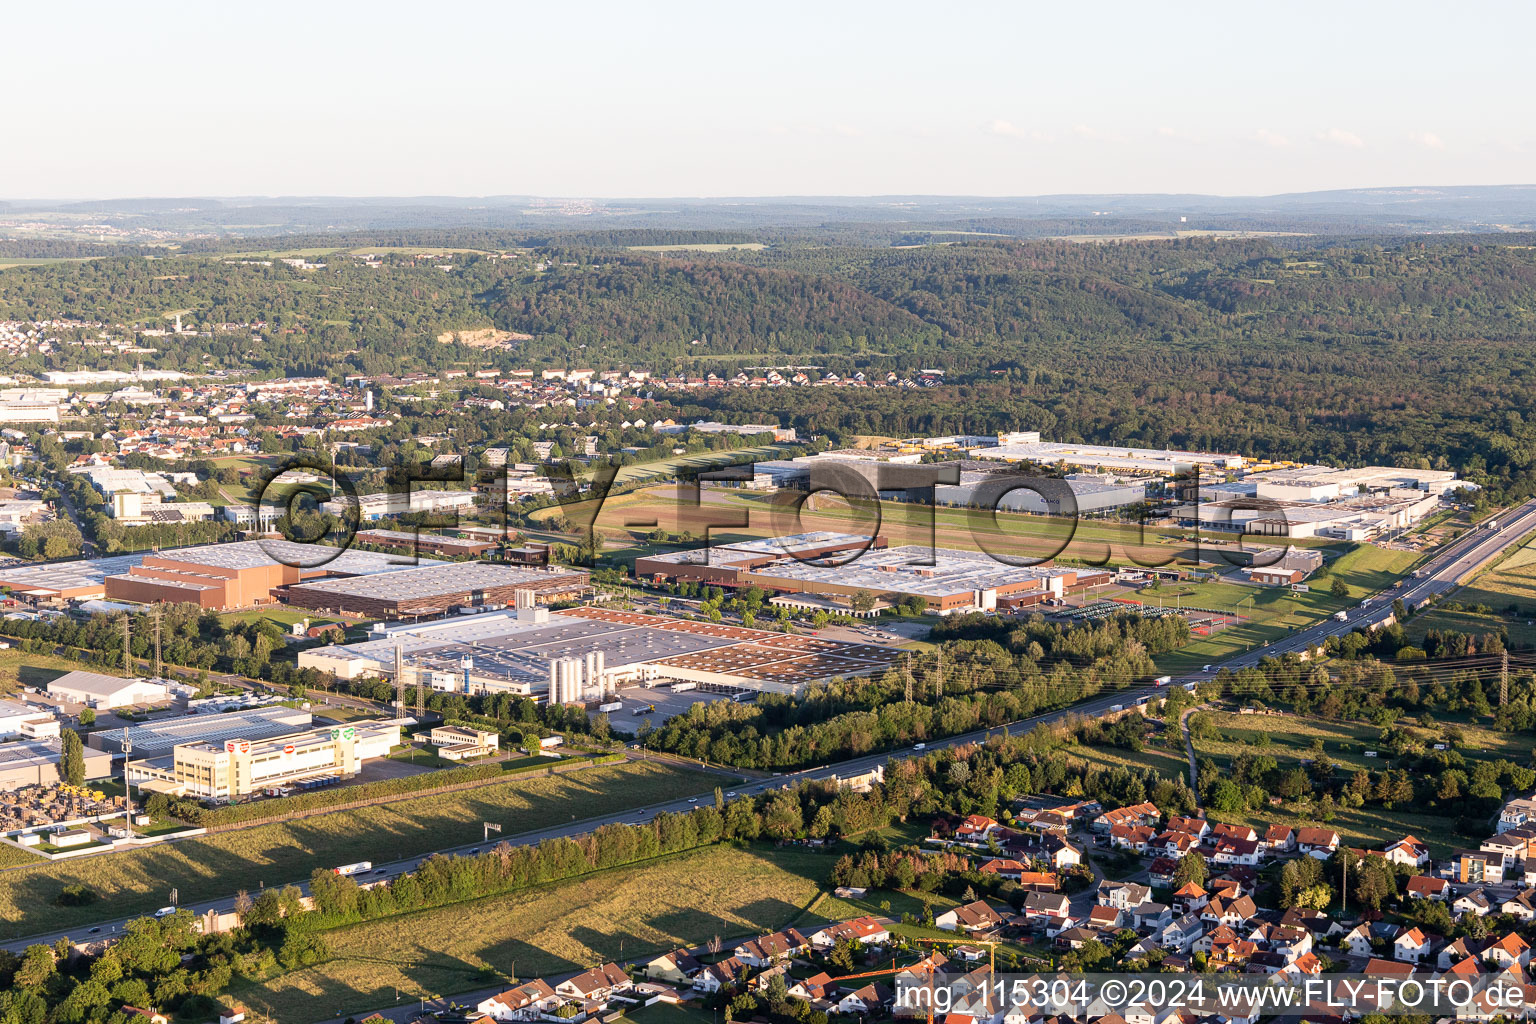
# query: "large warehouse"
946, 580
36, 763
240, 767
1165, 461
435, 589
514, 652
95, 690
152, 739
240, 574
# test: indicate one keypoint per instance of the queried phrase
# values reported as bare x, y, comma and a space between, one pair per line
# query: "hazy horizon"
689, 100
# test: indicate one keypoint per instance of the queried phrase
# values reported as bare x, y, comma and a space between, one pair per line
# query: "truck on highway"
1162, 680
354, 869
1492, 524
1341, 616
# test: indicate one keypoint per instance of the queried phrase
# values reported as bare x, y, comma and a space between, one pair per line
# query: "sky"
665, 99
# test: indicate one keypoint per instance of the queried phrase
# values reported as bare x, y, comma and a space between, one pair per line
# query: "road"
1441, 572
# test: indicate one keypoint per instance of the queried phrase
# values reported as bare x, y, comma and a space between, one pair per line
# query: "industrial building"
1113, 458
239, 574
1358, 518
458, 742
837, 566
103, 692
426, 543
25, 721
153, 739
36, 763
238, 768
1090, 494
79, 580
586, 653
432, 590
373, 507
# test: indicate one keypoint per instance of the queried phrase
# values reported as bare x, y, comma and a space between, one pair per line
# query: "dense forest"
1412, 350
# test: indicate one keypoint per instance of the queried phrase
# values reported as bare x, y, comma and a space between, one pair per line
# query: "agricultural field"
621, 914
760, 515
205, 867
1169, 762
667, 468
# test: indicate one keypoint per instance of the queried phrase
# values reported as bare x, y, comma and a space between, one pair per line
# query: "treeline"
983, 682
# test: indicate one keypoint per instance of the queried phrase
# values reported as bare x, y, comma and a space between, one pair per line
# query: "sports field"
138, 881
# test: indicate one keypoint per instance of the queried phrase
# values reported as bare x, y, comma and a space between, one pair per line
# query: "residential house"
1104, 918
1460, 950
1223, 830
1317, 842
812, 989
594, 985
1196, 827
971, 918
1511, 949
1136, 814
676, 968
1521, 906
1048, 847
1236, 851
1279, 839
861, 929
975, 828
1162, 872
1411, 946
1357, 941
772, 948
866, 1001
1475, 902
1408, 851
1182, 933
1004, 867
1123, 895
1131, 837
1150, 915
1480, 868
521, 1002
1173, 843
1190, 897
716, 976
1232, 913
1425, 887
1053, 906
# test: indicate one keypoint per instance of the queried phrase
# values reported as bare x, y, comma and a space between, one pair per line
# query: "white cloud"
1340, 137
1429, 140
1273, 140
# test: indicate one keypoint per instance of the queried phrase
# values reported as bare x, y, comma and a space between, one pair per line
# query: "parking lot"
667, 704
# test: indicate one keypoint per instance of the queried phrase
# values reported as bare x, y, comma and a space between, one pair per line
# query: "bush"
76, 896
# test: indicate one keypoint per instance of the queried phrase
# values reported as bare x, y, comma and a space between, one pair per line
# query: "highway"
1440, 573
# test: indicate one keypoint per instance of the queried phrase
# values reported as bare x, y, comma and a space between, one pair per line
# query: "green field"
1289, 737
18, 669
1271, 612
138, 881
1511, 582
668, 468
11, 856
620, 914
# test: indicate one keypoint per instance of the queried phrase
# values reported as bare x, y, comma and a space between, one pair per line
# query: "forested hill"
655, 310
1421, 349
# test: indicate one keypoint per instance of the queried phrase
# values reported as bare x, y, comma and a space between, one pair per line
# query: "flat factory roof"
439, 578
